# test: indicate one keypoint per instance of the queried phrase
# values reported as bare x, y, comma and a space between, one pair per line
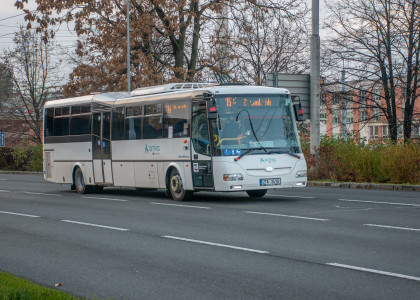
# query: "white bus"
179, 137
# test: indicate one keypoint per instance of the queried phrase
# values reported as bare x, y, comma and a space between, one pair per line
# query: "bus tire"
176, 187
79, 182
256, 193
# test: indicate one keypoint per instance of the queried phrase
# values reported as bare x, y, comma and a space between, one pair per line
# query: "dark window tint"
133, 128
96, 126
61, 126
134, 111
152, 127
176, 117
153, 109
49, 122
75, 110
80, 125
106, 126
118, 124
85, 109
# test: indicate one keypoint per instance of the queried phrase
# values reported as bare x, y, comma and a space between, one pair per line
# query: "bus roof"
105, 98
156, 93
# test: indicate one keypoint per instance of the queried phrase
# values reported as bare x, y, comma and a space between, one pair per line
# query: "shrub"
22, 157
354, 160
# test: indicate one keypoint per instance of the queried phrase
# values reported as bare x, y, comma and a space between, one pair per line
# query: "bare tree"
379, 39
267, 41
170, 40
6, 87
34, 72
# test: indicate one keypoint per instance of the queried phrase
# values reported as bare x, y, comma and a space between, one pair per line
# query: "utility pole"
315, 79
128, 48
343, 105
222, 50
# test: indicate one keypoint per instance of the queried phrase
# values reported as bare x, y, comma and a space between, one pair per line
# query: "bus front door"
202, 171
101, 145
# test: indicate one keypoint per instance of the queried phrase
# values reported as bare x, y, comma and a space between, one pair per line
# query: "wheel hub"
175, 184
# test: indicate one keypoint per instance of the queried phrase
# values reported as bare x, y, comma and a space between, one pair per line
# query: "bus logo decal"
148, 149
268, 160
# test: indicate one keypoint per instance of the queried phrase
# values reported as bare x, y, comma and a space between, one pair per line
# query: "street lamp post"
343, 105
128, 49
315, 79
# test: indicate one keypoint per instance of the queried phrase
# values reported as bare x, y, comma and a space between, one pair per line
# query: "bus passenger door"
101, 145
202, 168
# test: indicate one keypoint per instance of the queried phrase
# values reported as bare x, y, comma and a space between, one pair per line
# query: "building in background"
364, 119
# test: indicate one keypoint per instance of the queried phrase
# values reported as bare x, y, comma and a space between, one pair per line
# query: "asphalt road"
310, 243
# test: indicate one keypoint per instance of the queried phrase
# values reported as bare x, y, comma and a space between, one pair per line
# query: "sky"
11, 19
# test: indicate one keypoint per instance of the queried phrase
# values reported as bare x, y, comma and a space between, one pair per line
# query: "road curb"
21, 172
373, 186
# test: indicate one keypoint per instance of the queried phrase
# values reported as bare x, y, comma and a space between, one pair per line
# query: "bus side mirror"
298, 111
212, 113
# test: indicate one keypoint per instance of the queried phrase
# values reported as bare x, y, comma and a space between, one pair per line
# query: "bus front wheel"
256, 193
176, 187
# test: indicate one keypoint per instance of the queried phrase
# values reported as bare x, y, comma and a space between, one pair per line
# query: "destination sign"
251, 101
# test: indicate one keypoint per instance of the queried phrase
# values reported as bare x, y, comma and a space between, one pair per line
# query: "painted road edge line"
17, 214
4, 191
290, 196
45, 194
215, 244
380, 202
287, 216
374, 271
95, 225
392, 227
180, 205
109, 199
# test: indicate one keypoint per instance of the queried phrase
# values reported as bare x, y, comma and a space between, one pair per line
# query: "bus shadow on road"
208, 197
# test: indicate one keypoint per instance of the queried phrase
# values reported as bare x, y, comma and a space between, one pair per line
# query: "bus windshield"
263, 123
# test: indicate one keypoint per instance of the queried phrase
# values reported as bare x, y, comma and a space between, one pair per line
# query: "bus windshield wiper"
247, 152
285, 152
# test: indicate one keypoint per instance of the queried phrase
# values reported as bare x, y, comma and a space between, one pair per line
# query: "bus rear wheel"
79, 182
176, 187
256, 193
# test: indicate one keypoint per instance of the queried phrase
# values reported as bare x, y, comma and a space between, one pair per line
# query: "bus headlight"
233, 177
301, 173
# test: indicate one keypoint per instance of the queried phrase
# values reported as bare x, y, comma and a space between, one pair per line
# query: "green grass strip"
14, 288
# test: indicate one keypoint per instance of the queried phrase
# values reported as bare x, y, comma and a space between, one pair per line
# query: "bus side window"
49, 122
176, 120
80, 124
200, 133
118, 124
132, 128
152, 127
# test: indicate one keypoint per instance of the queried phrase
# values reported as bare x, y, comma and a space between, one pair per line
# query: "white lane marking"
3, 179
45, 194
287, 216
4, 191
380, 202
95, 225
289, 196
180, 205
392, 227
109, 199
16, 214
375, 271
215, 244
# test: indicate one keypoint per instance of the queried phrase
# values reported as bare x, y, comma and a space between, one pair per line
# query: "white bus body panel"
256, 167
64, 157
144, 163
